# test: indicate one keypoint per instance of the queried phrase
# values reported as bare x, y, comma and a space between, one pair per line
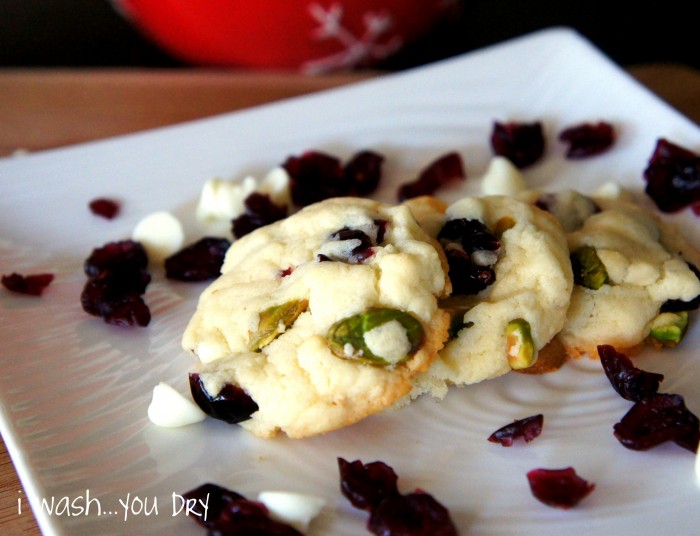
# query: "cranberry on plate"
373, 487
521, 143
558, 488
587, 139
672, 176
32, 285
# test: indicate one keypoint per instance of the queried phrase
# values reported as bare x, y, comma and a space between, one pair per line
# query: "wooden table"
42, 109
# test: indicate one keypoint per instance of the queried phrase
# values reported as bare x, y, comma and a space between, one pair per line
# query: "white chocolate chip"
502, 178
223, 200
170, 409
276, 185
211, 350
161, 235
388, 341
294, 509
339, 249
610, 190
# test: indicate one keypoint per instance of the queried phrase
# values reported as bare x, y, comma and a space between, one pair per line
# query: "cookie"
633, 283
323, 318
512, 280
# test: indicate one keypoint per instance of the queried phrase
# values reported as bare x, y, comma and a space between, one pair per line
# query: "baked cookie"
512, 280
632, 279
323, 318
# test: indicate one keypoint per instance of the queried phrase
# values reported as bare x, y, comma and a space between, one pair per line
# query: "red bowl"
310, 36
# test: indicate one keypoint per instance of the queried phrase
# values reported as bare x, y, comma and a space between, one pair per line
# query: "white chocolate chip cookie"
503, 325
629, 267
323, 318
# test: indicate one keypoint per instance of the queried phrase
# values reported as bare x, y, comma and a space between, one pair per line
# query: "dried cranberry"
446, 168
673, 176
382, 226
246, 517
117, 257
471, 250
466, 277
528, 428
363, 172
217, 499
630, 382
230, 513
521, 143
352, 234
107, 208
112, 299
366, 485
560, 488
259, 211
242, 519
588, 139
373, 487
363, 251
32, 285
366, 243
232, 404
199, 261
315, 176
121, 281
117, 277
131, 310
472, 235
657, 419
415, 514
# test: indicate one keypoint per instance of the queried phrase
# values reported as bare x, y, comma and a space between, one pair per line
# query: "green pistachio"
669, 328
520, 348
589, 270
346, 338
274, 321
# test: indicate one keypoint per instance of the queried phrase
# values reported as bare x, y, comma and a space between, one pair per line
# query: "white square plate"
75, 391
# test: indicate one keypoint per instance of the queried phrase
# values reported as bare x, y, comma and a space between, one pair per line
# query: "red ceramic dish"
312, 36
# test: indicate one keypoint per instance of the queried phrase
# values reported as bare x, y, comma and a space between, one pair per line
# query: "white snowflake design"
356, 49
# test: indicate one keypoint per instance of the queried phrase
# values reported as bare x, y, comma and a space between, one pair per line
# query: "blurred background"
92, 33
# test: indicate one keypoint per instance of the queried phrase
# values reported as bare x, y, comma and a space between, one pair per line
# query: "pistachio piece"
521, 350
348, 339
274, 321
589, 270
668, 329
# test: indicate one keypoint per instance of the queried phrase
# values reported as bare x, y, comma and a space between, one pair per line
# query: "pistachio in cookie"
630, 273
512, 279
323, 318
